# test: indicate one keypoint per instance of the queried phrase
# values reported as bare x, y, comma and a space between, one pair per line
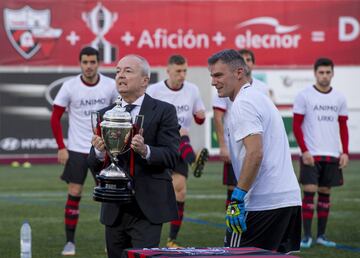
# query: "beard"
324, 83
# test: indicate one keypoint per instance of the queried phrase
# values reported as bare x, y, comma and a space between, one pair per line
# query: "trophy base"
113, 189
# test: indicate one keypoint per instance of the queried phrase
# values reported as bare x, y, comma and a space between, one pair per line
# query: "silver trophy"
115, 184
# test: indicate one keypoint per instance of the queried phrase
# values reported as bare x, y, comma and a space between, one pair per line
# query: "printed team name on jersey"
328, 117
181, 120
91, 102
182, 108
326, 108
87, 104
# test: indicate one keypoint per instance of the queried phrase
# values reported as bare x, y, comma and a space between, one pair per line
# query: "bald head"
132, 77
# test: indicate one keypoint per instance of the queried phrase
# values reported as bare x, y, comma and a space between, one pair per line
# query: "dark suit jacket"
154, 192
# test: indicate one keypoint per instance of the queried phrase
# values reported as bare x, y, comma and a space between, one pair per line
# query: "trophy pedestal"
113, 189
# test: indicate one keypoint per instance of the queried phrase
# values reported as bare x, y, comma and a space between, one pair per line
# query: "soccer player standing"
86, 92
185, 96
320, 116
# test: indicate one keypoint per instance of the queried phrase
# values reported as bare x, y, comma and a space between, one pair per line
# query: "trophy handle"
95, 122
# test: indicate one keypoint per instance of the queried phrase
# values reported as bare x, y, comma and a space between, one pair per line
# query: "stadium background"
39, 49
39, 45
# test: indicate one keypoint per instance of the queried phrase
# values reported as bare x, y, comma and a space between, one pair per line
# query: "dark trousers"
131, 230
278, 229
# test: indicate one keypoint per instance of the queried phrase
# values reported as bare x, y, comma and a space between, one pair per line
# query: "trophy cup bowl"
115, 184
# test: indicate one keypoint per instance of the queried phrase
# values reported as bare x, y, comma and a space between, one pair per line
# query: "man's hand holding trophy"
116, 135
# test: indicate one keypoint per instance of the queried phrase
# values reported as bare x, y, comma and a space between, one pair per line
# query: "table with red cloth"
211, 252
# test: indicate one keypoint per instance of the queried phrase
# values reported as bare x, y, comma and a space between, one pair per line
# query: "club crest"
29, 30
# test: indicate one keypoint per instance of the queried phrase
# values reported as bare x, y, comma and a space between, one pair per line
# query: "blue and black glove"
236, 214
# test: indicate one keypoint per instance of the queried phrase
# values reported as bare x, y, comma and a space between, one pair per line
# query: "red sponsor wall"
40, 41
283, 33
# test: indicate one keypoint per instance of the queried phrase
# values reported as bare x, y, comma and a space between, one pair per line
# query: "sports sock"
308, 212
323, 208
71, 216
176, 224
186, 151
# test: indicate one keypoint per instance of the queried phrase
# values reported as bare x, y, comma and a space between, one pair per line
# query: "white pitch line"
188, 196
33, 194
60, 194
206, 196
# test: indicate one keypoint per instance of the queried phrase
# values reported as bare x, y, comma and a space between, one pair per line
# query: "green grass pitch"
38, 195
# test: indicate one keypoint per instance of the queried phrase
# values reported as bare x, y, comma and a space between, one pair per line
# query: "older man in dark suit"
138, 224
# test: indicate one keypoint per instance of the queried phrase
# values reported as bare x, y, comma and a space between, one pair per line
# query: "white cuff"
99, 155
148, 152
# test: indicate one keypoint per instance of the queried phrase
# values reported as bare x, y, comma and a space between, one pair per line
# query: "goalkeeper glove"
236, 214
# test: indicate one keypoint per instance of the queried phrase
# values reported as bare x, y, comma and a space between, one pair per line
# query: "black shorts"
276, 230
229, 177
181, 167
322, 174
76, 168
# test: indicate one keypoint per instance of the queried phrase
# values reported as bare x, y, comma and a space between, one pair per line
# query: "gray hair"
145, 66
231, 58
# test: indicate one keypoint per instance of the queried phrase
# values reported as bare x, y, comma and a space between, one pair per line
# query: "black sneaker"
199, 163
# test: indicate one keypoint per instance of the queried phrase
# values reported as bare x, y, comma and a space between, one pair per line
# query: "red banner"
285, 33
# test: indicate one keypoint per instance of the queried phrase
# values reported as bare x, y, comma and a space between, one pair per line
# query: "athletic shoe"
306, 242
171, 243
199, 163
69, 249
322, 240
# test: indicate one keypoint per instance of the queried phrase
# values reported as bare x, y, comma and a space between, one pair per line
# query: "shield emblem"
26, 28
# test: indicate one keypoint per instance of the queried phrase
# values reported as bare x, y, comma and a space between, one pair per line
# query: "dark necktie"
129, 107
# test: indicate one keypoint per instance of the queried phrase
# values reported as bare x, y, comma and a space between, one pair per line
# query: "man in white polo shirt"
265, 211
320, 115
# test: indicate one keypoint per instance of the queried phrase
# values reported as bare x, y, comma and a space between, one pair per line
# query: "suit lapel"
146, 110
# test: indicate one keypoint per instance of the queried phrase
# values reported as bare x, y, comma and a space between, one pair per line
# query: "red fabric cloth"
199, 121
299, 135
56, 115
344, 133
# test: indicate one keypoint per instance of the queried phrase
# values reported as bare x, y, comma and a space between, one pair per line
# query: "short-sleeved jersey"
79, 100
276, 185
186, 100
320, 126
260, 85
